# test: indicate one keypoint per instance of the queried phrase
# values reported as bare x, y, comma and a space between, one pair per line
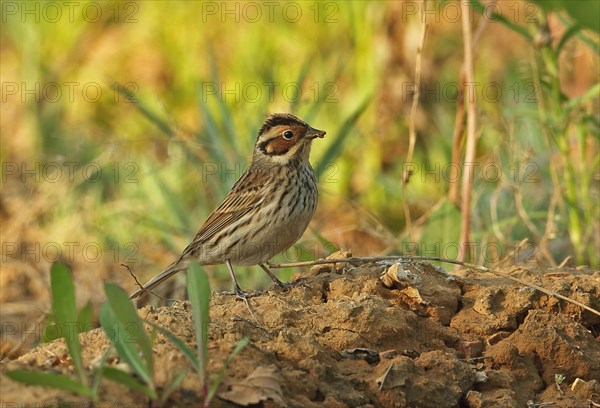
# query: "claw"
289, 285
237, 291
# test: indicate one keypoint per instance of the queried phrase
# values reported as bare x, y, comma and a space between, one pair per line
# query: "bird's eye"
288, 134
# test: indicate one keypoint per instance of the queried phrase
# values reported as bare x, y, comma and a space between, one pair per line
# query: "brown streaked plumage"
266, 211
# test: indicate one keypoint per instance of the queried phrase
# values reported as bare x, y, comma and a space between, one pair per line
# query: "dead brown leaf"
262, 384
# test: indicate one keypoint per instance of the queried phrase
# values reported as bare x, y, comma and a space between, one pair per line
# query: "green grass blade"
51, 330
591, 43
65, 313
239, 347
173, 386
187, 352
49, 380
126, 313
144, 109
477, 6
592, 93
199, 294
85, 317
229, 127
324, 95
128, 381
571, 31
329, 246
215, 145
295, 100
442, 227
123, 343
215, 384
226, 117
99, 369
335, 147
173, 201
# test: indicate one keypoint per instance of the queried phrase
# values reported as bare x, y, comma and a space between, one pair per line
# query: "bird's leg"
278, 283
274, 278
236, 288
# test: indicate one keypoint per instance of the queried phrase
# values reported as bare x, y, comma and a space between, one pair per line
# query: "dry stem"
398, 258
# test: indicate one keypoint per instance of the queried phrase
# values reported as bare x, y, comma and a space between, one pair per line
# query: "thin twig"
250, 309
384, 377
371, 259
550, 228
459, 118
457, 140
559, 389
398, 258
467, 180
474, 359
137, 282
565, 261
553, 165
494, 214
412, 125
245, 299
518, 196
483, 23
539, 405
510, 256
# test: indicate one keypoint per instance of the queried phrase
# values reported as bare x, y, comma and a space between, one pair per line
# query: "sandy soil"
341, 338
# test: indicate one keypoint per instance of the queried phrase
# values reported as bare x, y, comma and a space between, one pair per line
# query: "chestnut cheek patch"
279, 146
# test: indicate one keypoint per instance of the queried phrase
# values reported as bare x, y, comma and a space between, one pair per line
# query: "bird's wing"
247, 193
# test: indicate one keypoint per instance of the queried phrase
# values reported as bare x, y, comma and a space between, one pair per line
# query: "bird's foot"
238, 292
243, 295
288, 285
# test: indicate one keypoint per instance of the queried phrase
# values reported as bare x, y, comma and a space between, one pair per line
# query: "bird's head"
283, 138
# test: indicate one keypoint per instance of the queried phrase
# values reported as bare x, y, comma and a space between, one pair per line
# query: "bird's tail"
160, 278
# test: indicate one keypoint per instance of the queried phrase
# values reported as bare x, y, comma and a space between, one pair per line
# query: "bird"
266, 211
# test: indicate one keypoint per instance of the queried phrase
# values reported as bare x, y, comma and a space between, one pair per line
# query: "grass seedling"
198, 290
125, 329
66, 320
84, 323
199, 294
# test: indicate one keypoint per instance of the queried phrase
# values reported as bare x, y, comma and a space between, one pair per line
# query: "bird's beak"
314, 133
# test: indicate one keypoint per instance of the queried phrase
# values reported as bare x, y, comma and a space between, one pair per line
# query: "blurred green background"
125, 123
